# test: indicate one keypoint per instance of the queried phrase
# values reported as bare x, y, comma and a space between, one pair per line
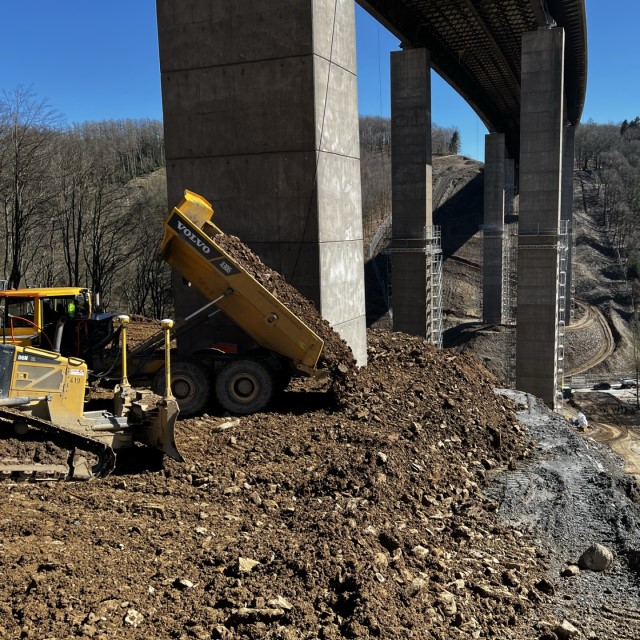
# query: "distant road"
592, 316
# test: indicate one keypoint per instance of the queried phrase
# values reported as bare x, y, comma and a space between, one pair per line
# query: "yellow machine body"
47, 386
59, 384
189, 246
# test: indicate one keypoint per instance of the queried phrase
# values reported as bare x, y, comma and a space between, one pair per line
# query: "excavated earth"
365, 519
370, 518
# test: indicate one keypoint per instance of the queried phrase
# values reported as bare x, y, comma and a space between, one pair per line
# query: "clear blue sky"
99, 60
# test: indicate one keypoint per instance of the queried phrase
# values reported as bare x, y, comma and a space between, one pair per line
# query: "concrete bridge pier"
495, 180
566, 213
411, 174
542, 125
261, 117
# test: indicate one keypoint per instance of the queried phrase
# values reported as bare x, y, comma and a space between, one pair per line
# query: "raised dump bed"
189, 246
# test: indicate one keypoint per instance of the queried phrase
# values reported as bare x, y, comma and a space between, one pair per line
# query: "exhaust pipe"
58, 335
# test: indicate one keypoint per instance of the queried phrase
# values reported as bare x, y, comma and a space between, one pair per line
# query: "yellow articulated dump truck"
282, 343
242, 376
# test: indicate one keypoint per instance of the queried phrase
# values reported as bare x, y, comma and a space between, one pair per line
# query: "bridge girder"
475, 46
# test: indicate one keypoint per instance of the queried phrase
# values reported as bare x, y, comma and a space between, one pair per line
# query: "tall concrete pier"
495, 181
261, 117
566, 211
411, 170
542, 124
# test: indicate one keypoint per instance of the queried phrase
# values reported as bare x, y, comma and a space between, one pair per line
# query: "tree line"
608, 156
76, 211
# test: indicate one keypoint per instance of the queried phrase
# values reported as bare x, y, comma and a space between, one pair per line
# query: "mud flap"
160, 432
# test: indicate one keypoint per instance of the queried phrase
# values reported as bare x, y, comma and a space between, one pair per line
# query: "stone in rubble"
246, 565
447, 602
570, 571
596, 558
420, 552
565, 631
183, 584
416, 586
280, 603
134, 618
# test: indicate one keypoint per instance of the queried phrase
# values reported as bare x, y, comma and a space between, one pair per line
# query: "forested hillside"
608, 175
75, 211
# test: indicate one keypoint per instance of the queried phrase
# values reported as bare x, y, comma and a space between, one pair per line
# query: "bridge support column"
493, 245
541, 130
261, 117
411, 175
566, 212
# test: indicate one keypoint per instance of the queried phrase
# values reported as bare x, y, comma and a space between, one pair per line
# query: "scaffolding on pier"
563, 258
430, 244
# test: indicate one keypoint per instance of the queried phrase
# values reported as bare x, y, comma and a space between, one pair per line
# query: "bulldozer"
44, 391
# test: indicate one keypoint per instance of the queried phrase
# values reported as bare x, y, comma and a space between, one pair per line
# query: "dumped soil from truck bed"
336, 356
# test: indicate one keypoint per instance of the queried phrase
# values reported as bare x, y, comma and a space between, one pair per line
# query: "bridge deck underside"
476, 46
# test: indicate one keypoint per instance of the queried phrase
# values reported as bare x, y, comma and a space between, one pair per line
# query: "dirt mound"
307, 521
336, 355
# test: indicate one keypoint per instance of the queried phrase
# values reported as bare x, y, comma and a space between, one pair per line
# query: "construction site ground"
416, 507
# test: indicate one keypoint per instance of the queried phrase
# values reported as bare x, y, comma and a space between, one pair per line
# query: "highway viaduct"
261, 116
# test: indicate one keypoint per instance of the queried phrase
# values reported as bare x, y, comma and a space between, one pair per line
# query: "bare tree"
77, 166
28, 136
148, 282
113, 237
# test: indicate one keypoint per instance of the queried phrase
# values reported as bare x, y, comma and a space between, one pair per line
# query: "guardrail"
588, 380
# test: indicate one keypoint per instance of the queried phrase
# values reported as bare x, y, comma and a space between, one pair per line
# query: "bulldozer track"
592, 316
105, 454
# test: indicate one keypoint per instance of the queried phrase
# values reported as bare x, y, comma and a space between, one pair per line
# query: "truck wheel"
190, 386
244, 386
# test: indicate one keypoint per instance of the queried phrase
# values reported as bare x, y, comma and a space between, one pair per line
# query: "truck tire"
190, 385
244, 386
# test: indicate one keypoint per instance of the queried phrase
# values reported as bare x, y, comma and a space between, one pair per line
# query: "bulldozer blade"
160, 434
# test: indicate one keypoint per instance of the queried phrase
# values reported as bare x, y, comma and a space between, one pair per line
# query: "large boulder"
596, 558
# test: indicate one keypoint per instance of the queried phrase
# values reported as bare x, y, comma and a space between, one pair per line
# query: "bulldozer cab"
29, 317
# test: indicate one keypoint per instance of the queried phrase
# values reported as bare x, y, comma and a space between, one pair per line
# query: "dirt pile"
310, 520
336, 356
